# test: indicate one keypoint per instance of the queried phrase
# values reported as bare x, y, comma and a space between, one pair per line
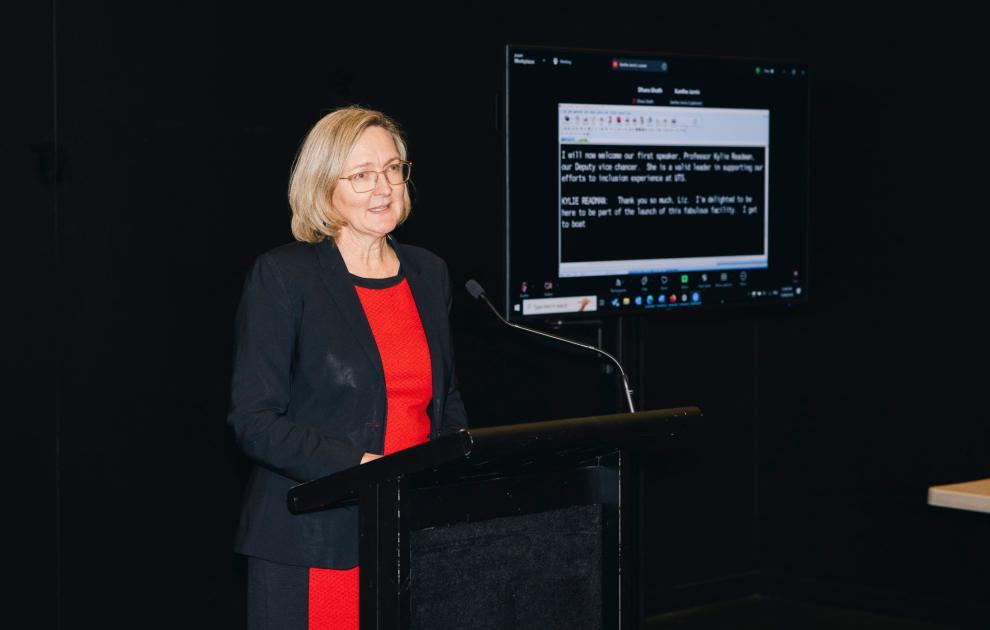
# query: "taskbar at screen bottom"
639, 299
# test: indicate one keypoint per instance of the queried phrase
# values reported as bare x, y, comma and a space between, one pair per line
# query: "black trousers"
277, 596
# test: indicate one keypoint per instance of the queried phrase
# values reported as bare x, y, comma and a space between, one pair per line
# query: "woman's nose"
382, 187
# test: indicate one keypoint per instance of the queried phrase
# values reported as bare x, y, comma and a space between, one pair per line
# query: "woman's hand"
367, 457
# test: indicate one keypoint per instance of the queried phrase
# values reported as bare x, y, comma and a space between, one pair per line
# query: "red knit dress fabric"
398, 332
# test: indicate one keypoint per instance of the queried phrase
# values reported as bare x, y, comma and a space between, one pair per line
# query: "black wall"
147, 155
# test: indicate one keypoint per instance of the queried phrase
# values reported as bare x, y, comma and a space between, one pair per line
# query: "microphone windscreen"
474, 288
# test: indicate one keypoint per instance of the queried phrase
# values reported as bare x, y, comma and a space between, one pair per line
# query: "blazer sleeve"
454, 414
265, 338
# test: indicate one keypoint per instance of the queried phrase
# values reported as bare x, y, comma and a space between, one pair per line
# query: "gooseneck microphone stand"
478, 293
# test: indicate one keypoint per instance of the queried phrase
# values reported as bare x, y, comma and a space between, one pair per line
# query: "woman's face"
374, 213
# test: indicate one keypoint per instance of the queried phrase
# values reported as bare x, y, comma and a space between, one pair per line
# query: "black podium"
516, 526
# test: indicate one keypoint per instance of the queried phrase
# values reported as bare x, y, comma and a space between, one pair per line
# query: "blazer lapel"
341, 289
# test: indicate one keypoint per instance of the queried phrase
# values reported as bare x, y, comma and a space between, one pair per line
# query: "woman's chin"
384, 221
377, 226
385, 226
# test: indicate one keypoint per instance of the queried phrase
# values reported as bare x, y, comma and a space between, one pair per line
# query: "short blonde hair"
318, 165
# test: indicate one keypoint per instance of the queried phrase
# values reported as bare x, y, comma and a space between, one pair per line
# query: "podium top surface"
502, 450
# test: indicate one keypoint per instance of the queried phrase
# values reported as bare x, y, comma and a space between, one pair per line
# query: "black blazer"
308, 391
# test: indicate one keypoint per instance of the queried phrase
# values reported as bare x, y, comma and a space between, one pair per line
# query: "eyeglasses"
395, 173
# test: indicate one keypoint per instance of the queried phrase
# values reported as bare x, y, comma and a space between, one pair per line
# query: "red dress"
398, 331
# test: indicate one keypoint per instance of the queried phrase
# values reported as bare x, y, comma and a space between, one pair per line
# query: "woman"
342, 354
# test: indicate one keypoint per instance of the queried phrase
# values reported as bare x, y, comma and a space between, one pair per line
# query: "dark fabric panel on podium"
533, 571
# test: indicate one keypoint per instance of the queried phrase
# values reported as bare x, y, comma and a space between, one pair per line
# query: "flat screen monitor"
648, 183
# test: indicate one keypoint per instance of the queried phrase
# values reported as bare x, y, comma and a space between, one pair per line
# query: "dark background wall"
145, 165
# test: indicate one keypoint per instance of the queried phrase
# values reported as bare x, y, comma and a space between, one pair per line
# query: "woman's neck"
367, 257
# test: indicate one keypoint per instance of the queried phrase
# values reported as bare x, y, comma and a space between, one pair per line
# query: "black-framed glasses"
395, 173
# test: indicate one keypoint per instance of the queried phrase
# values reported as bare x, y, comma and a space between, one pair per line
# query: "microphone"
479, 294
